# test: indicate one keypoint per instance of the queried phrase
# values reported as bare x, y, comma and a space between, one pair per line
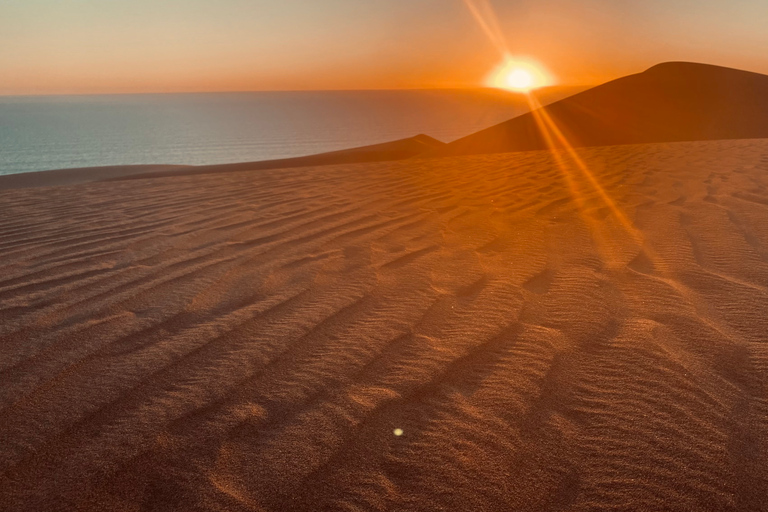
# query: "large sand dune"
250, 341
673, 101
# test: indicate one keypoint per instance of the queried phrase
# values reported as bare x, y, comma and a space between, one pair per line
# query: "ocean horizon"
40, 133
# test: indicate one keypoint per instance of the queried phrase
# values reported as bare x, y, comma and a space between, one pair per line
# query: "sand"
252, 341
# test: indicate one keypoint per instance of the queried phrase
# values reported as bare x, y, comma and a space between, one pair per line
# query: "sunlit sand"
370, 335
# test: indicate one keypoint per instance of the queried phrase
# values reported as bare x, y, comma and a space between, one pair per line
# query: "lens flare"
514, 73
525, 75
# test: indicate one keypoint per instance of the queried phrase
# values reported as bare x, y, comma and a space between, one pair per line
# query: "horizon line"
148, 93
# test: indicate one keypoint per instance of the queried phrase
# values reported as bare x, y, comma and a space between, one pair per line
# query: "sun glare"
518, 76
519, 79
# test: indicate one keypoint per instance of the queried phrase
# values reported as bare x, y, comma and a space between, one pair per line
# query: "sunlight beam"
485, 16
559, 146
582, 166
513, 73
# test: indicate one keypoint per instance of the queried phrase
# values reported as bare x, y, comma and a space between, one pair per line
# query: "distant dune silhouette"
394, 150
670, 102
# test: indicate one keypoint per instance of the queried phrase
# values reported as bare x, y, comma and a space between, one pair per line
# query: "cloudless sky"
88, 46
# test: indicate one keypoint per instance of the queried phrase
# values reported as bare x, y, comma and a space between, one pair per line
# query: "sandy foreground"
251, 341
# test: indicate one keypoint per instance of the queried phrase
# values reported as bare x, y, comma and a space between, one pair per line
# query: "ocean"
55, 132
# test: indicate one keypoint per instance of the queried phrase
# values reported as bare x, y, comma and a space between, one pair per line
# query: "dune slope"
250, 342
673, 101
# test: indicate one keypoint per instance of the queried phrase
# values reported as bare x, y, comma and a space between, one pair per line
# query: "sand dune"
673, 101
250, 341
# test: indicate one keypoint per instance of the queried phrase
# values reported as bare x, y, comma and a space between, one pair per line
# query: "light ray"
582, 166
565, 170
483, 13
485, 16
556, 154
558, 143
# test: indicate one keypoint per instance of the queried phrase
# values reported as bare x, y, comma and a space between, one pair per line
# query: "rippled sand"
252, 341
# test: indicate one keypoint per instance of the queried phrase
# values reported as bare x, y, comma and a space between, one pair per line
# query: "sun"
519, 80
518, 76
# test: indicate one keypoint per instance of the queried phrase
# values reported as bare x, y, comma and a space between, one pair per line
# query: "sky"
128, 46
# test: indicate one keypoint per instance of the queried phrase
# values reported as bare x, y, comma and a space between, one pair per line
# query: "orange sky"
113, 46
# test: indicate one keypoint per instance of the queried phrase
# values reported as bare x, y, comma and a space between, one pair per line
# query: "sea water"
54, 132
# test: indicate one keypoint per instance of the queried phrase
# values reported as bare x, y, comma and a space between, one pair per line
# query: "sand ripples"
251, 341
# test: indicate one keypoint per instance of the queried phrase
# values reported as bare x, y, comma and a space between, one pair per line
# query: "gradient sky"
89, 46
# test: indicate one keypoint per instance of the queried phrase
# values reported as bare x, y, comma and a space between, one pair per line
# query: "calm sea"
54, 132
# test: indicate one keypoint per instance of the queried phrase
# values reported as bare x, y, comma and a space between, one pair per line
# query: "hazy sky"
83, 46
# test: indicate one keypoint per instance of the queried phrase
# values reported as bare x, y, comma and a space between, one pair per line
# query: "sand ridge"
250, 341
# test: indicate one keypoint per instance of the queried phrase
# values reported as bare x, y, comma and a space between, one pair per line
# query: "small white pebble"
398, 432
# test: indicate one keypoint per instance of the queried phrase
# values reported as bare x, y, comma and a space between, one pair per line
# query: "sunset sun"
519, 80
518, 76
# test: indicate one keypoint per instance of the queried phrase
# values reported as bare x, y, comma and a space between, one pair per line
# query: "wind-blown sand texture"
250, 341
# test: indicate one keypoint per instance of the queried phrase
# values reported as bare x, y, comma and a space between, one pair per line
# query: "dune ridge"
250, 341
670, 102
